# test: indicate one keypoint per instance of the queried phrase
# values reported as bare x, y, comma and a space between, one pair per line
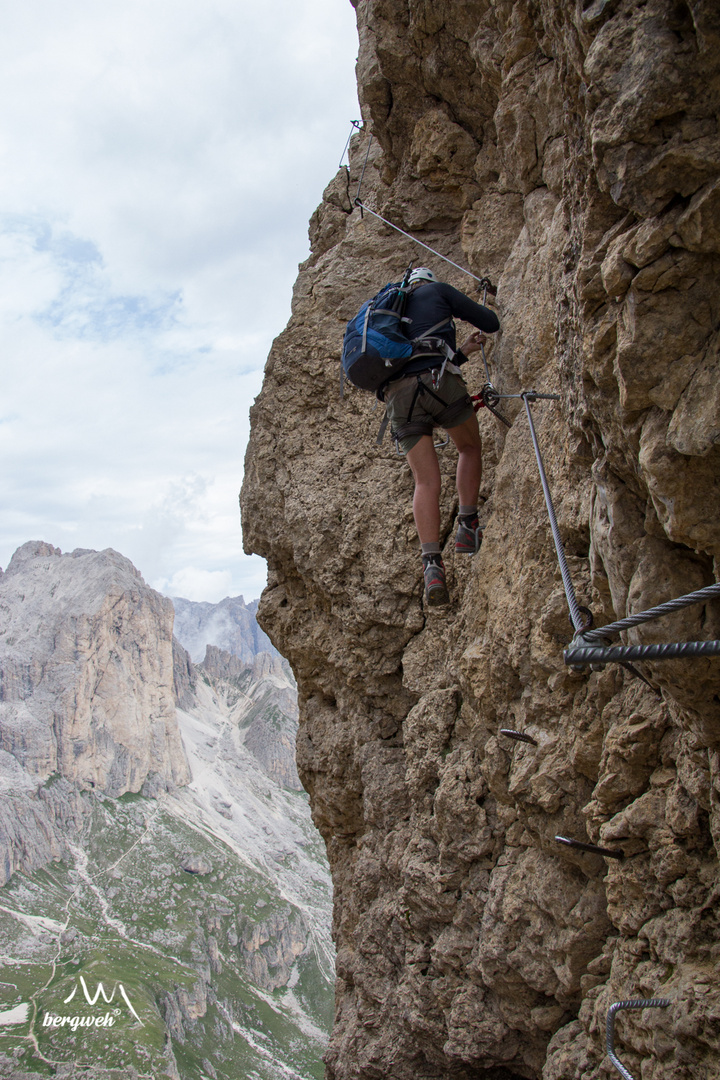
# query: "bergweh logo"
103, 1019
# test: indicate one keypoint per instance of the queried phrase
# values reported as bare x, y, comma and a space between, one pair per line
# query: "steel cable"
654, 613
358, 202
356, 126
575, 614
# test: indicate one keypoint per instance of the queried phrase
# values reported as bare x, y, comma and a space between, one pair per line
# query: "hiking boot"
469, 535
436, 592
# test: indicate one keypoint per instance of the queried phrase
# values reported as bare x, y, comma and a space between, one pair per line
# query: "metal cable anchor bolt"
580, 641
595, 849
519, 736
638, 1003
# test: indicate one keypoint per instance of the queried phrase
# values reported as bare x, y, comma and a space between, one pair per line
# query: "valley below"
183, 933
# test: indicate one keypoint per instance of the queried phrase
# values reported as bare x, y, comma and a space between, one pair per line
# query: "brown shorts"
427, 409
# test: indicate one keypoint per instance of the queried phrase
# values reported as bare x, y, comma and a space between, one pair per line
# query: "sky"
160, 163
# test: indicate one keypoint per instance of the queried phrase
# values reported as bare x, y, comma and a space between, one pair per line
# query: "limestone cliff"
572, 152
262, 698
86, 696
86, 663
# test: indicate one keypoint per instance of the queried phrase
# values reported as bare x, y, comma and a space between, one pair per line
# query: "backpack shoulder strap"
432, 330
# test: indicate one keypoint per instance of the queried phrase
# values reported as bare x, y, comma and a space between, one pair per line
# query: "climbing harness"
444, 419
638, 1003
582, 845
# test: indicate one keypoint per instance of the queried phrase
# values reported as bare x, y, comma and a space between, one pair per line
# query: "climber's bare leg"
423, 461
469, 467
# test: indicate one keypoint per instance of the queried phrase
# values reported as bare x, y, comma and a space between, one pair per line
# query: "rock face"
572, 152
262, 699
86, 666
86, 696
271, 946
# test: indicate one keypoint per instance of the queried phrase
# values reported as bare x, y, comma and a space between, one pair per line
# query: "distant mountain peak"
230, 625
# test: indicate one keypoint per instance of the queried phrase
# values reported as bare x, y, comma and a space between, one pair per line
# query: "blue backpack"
376, 346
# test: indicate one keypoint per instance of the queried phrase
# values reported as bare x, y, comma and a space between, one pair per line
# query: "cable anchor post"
582, 639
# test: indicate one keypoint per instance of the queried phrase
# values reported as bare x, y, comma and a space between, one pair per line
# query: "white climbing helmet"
421, 273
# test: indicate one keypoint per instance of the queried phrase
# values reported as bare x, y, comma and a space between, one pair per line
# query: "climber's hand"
473, 343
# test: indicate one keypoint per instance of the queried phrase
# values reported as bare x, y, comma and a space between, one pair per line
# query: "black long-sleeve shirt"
429, 304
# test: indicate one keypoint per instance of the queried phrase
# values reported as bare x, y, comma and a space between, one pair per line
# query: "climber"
430, 392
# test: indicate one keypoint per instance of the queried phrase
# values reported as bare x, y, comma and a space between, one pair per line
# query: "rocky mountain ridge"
152, 836
101, 713
572, 153
229, 625
270, 716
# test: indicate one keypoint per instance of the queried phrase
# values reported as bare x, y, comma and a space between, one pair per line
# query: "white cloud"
193, 584
160, 164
